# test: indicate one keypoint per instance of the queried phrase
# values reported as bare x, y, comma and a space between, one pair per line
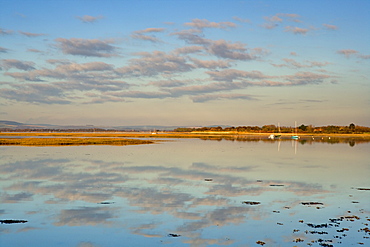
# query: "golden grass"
71, 141
115, 134
90, 134
116, 138
193, 134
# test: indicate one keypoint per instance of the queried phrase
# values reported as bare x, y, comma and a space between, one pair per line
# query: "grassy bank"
194, 134
70, 141
92, 138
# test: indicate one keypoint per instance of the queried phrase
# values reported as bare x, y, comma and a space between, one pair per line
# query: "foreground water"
186, 193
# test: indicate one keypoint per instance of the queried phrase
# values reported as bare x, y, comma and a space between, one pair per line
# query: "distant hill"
4, 124
16, 125
8, 123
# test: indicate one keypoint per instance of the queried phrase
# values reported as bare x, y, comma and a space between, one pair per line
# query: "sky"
185, 63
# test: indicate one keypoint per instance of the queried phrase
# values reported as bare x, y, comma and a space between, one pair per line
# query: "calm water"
186, 193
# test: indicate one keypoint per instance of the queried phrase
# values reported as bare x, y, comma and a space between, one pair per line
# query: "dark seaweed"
12, 221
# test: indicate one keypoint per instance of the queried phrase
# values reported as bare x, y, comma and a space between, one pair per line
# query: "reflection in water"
352, 141
186, 193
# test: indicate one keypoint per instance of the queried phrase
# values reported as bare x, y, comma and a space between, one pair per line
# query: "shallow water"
186, 192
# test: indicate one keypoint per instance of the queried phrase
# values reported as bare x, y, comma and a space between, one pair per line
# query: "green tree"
303, 127
269, 128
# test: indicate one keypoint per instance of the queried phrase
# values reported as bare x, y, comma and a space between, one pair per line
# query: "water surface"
186, 192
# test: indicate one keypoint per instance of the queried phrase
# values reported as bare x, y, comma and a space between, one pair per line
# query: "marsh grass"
193, 134
71, 141
117, 135
74, 134
73, 138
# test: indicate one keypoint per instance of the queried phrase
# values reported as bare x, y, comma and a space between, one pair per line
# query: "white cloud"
204, 69
142, 94
208, 88
347, 52
203, 23
274, 18
364, 56
294, 64
210, 97
296, 30
89, 18
3, 50
168, 83
304, 78
87, 47
29, 76
290, 17
233, 74
155, 63
211, 64
274, 21
58, 61
93, 66
220, 48
142, 34
236, 51
145, 37
17, 64
189, 49
330, 27
350, 52
151, 30
192, 36
269, 25
31, 35
5, 32
35, 93
241, 19
34, 50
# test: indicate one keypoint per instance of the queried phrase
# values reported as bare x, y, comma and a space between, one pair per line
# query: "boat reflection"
351, 141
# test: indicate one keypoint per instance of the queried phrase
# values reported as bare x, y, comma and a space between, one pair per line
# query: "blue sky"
185, 62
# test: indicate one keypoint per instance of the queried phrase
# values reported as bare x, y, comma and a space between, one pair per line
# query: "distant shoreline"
283, 134
121, 138
70, 141
171, 134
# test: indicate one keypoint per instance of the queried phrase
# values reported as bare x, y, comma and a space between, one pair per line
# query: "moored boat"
295, 136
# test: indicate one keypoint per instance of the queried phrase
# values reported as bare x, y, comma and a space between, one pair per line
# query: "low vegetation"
304, 129
70, 141
271, 128
307, 134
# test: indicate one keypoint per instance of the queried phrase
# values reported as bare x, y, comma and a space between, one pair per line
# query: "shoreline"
170, 134
122, 138
71, 141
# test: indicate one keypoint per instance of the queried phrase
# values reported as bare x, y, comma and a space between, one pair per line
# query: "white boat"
295, 136
274, 136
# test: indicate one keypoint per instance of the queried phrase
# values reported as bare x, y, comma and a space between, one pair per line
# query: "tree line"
271, 128
329, 129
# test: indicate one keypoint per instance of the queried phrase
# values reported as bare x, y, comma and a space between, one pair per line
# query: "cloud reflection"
169, 191
23, 196
85, 216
